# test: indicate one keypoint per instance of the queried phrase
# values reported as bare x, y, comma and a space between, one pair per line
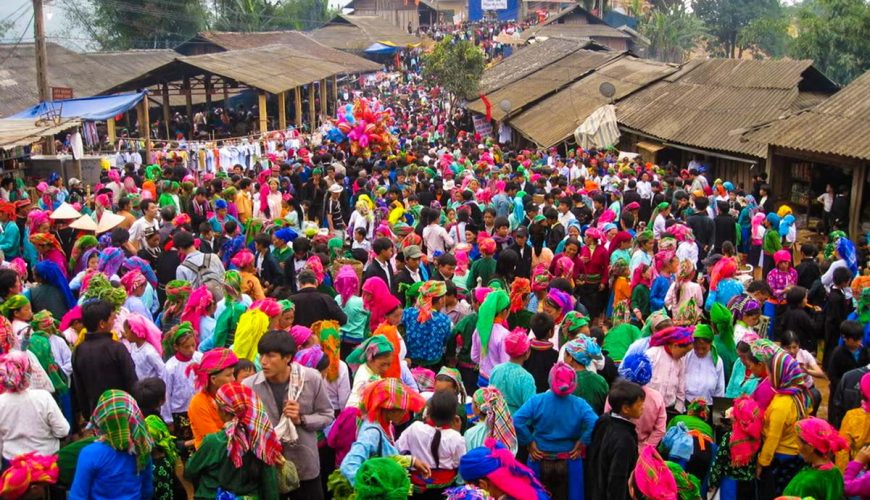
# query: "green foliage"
672, 31
266, 15
455, 65
726, 18
766, 36
836, 35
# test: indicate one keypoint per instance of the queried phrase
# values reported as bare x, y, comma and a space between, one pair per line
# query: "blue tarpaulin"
381, 49
86, 108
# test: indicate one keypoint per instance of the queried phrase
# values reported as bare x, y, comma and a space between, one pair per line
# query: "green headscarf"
706, 333
688, 486
13, 304
233, 284
40, 346
371, 347
287, 305
153, 172
382, 479
183, 329
161, 436
863, 308
335, 246
495, 302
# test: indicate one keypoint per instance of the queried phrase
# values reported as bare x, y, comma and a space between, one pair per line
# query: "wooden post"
859, 178
226, 94
208, 91
312, 110
282, 110
324, 97
145, 128
110, 130
166, 111
297, 104
188, 99
264, 116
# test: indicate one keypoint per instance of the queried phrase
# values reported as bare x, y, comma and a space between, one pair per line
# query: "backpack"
206, 276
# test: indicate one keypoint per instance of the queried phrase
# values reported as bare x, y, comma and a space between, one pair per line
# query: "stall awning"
652, 147
382, 48
21, 132
599, 130
85, 108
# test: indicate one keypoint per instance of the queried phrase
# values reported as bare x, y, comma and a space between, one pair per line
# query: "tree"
455, 65
766, 36
836, 35
673, 32
726, 18
137, 24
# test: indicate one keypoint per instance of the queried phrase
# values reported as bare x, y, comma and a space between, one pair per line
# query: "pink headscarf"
563, 379
132, 280
316, 265
594, 233
242, 259
757, 220
563, 267
480, 294
782, 256
378, 300
652, 476
144, 329
865, 392
196, 307
347, 283
114, 176
37, 218
214, 361
517, 343
638, 278
487, 246
821, 435
269, 306
300, 335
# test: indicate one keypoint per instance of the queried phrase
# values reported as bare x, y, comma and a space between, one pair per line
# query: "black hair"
381, 244
123, 203
120, 236
551, 213
788, 338
263, 239
562, 284
301, 245
150, 394
442, 411
842, 276
307, 277
144, 205
167, 213
446, 259
809, 250
501, 222
231, 226
597, 333
624, 393
96, 311
744, 348
756, 286
701, 203
204, 227
243, 365
795, 296
451, 288
851, 329
542, 325
8, 278
277, 341
359, 254
182, 240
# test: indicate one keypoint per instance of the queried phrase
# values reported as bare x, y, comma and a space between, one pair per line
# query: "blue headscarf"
773, 219
785, 225
637, 368
286, 234
50, 274
583, 349
231, 248
496, 463
846, 250
220, 205
111, 259
143, 266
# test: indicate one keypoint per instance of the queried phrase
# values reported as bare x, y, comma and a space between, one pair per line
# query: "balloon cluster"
366, 126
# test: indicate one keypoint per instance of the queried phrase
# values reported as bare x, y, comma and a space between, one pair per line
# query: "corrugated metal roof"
86, 74
839, 125
543, 82
554, 119
708, 102
347, 32
527, 60
20, 132
247, 67
575, 31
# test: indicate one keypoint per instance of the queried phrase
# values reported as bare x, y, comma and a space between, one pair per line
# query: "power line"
16, 11
17, 43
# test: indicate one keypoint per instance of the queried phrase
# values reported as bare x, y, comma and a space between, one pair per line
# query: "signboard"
61, 93
482, 126
493, 4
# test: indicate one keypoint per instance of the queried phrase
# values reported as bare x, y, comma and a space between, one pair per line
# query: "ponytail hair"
441, 413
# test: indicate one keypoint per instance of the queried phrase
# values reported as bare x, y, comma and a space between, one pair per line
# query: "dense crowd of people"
446, 318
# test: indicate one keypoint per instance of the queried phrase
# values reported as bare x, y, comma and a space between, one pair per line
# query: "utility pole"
41, 63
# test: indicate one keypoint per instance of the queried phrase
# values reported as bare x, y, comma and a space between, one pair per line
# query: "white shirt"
137, 230
147, 362
30, 421
703, 379
668, 377
644, 189
566, 218
417, 440
827, 199
339, 390
436, 239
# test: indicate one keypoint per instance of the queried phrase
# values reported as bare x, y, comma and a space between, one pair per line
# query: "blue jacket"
10, 240
103, 473
542, 420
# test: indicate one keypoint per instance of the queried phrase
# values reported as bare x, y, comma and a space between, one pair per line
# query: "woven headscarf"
787, 377
197, 306
636, 368
177, 293
562, 300
40, 346
378, 300
456, 377
520, 288
144, 267
388, 394
51, 274
39, 239
316, 266
144, 329
496, 302
742, 305
250, 428
652, 476
330, 341
429, 291
495, 462
381, 478
540, 278
672, 335
212, 362
497, 417
14, 372
118, 422
583, 349
517, 343
688, 486
310, 356
162, 437
821, 435
175, 336
748, 421
347, 283
111, 259
43, 321
133, 280
562, 379
574, 321
243, 259
764, 350
25, 470
371, 347
723, 269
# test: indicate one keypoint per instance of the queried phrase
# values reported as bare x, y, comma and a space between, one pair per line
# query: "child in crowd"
243, 370
145, 347
511, 379
449, 379
848, 356
819, 478
180, 383
542, 354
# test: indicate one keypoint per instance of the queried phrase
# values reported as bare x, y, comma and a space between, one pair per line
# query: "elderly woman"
667, 348
705, 372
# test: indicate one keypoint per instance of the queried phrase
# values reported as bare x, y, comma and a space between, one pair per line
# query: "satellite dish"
505, 105
607, 90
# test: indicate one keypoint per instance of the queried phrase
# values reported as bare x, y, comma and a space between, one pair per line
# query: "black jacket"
313, 306
99, 363
375, 269
724, 229
703, 229
846, 396
524, 267
270, 271
808, 272
611, 457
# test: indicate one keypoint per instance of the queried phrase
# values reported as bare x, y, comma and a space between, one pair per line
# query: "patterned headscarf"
330, 341
821, 435
637, 368
118, 422
583, 349
347, 283
243, 259
162, 437
764, 350
212, 362
39, 239
787, 377
517, 343
672, 335
540, 278
177, 293
497, 417
388, 394
563, 267
495, 302
378, 300
316, 266
371, 347
574, 321
455, 377
519, 289
742, 305
111, 259
429, 291
310, 356
487, 246
748, 420
14, 372
688, 486
562, 379
51, 274
250, 428
144, 267
12, 304
652, 476
133, 280
43, 321
723, 269
197, 307
496, 463
175, 336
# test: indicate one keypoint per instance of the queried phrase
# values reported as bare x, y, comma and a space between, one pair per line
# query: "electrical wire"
18, 43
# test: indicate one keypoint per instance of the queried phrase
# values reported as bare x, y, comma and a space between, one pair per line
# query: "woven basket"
341, 261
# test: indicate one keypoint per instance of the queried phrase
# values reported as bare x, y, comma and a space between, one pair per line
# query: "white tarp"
599, 130
493, 4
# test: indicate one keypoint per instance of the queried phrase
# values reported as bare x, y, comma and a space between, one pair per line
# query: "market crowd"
445, 317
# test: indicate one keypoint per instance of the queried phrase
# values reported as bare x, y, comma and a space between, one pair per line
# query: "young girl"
685, 298
17, 309
437, 442
374, 357
180, 384
818, 442
177, 293
198, 312
134, 283
620, 285
244, 261
790, 342
641, 281
145, 348
783, 276
494, 422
